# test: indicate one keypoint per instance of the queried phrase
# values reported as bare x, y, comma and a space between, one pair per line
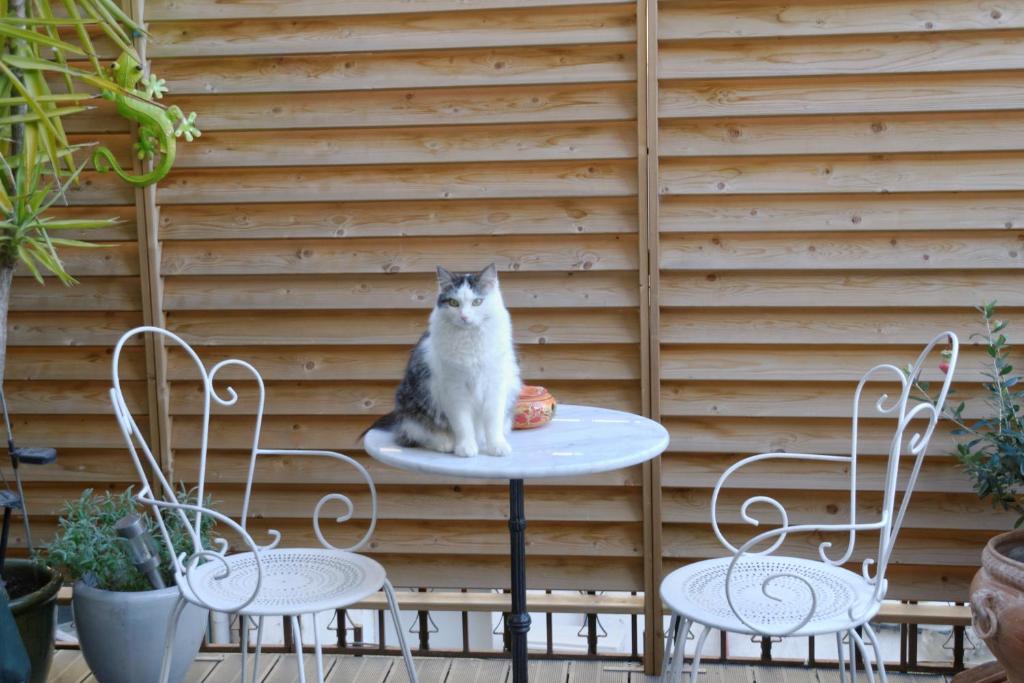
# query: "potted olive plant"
121, 619
49, 70
991, 451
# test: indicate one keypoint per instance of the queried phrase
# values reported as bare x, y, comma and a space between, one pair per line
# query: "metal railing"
592, 632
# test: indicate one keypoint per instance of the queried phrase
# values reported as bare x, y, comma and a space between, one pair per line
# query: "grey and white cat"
462, 380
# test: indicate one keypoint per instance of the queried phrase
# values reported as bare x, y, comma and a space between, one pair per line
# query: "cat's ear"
444, 278
488, 278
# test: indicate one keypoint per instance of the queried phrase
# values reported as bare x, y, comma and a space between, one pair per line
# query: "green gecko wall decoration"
158, 126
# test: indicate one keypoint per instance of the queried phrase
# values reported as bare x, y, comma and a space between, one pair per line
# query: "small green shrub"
991, 449
87, 545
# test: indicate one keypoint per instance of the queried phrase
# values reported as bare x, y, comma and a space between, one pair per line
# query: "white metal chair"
757, 593
265, 580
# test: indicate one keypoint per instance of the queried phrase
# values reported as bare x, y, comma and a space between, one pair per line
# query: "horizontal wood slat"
847, 213
403, 328
795, 326
372, 397
884, 251
854, 173
397, 290
338, 146
373, 70
784, 399
859, 93
251, 9
411, 255
680, 19
397, 107
810, 56
514, 26
844, 134
443, 217
854, 289
562, 361
455, 181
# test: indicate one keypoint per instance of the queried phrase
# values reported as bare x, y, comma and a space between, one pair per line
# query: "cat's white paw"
499, 447
467, 449
444, 443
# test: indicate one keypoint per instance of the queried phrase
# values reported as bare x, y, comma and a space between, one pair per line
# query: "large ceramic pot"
122, 634
997, 601
35, 612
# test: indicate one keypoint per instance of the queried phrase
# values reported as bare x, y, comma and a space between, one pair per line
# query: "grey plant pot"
122, 634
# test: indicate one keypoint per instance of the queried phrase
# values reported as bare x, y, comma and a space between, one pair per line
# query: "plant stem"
6, 275
17, 9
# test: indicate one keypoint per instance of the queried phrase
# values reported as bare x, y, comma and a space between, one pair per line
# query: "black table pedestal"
519, 618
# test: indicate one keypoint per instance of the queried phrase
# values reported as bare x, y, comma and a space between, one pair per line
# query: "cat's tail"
385, 422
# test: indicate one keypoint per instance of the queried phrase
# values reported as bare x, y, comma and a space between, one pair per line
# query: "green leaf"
80, 223
36, 21
27, 259
16, 33
62, 242
53, 113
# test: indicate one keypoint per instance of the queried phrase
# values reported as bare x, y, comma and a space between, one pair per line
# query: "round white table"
579, 440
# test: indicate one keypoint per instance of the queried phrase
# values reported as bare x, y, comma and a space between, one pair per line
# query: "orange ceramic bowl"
535, 408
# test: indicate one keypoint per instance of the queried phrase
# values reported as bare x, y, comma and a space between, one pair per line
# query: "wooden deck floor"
70, 667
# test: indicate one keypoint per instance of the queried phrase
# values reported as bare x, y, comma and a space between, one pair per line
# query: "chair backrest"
157, 492
916, 415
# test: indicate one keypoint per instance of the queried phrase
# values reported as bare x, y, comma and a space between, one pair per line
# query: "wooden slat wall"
345, 154
838, 182
832, 182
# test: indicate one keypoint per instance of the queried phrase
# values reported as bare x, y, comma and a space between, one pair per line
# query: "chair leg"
842, 659
256, 655
317, 651
852, 655
879, 661
243, 640
172, 629
868, 668
297, 639
695, 664
670, 639
675, 672
389, 591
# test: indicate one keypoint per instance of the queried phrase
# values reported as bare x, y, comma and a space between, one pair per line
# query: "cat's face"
467, 299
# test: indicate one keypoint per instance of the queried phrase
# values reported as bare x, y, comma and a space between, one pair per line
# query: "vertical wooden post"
647, 200
151, 284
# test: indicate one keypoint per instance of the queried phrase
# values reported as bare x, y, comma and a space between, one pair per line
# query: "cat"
462, 379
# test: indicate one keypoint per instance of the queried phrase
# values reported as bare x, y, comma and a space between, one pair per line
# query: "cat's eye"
477, 302
454, 303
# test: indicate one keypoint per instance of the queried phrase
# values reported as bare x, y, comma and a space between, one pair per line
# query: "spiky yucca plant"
49, 69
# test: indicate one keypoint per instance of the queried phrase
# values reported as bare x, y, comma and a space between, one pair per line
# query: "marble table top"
579, 440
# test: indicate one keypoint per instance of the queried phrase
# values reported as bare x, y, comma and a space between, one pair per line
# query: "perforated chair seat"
697, 592
295, 581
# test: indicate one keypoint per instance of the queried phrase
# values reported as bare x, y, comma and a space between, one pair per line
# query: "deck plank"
362, 669
549, 671
197, 673
229, 669
285, 671
597, 672
479, 671
428, 670
68, 667
775, 674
